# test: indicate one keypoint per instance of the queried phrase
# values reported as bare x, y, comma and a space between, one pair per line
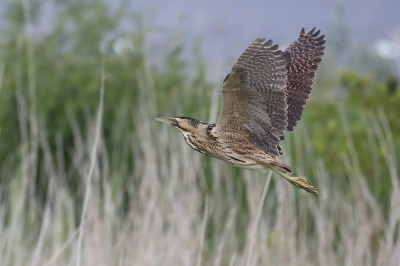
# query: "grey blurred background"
227, 27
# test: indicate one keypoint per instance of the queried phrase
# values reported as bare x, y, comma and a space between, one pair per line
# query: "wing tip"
316, 33
274, 48
317, 60
302, 33
311, 32
320, 38
268, 43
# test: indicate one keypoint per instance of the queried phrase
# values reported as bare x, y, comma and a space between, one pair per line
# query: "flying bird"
263, 96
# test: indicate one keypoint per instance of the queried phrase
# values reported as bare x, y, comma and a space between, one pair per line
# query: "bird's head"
184, 124
194, 131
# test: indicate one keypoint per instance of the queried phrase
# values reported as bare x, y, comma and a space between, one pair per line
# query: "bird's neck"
201, 137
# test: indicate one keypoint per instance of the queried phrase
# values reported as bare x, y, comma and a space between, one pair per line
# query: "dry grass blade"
91, 169
62, 248
203, 230
257, 219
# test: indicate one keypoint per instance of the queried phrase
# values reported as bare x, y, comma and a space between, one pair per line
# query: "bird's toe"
305, 184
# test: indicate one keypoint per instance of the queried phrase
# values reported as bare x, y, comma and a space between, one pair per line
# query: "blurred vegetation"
67, 56
65, 80
360, 97
67, 76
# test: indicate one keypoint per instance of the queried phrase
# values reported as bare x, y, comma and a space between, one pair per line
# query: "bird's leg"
300, 182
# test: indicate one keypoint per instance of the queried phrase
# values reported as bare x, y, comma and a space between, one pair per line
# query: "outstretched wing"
254, 100
302, 58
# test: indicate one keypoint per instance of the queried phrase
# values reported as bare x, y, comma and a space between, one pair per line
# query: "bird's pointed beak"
166, 120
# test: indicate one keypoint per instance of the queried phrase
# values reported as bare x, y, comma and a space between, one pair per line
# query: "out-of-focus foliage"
148, 186
67, 76
67, 68
139, 170
360, 97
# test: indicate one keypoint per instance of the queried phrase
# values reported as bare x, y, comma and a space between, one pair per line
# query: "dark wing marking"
254, 100
236, 159
302, 58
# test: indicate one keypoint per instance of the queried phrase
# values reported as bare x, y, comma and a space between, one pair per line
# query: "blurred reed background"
87, 178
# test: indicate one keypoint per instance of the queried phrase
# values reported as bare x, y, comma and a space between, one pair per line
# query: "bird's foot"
300, 182
303, 183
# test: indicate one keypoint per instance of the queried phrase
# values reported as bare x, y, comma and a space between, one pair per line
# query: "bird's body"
232, 148
263, 97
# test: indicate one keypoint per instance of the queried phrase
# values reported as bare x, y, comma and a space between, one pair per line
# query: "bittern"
263, 96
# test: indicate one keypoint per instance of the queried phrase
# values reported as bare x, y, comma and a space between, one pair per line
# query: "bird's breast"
205, 144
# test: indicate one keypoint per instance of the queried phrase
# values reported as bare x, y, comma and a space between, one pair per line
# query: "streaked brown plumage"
263, 96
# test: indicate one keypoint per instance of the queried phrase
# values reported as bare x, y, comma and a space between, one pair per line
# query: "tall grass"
175, 217
155, 201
